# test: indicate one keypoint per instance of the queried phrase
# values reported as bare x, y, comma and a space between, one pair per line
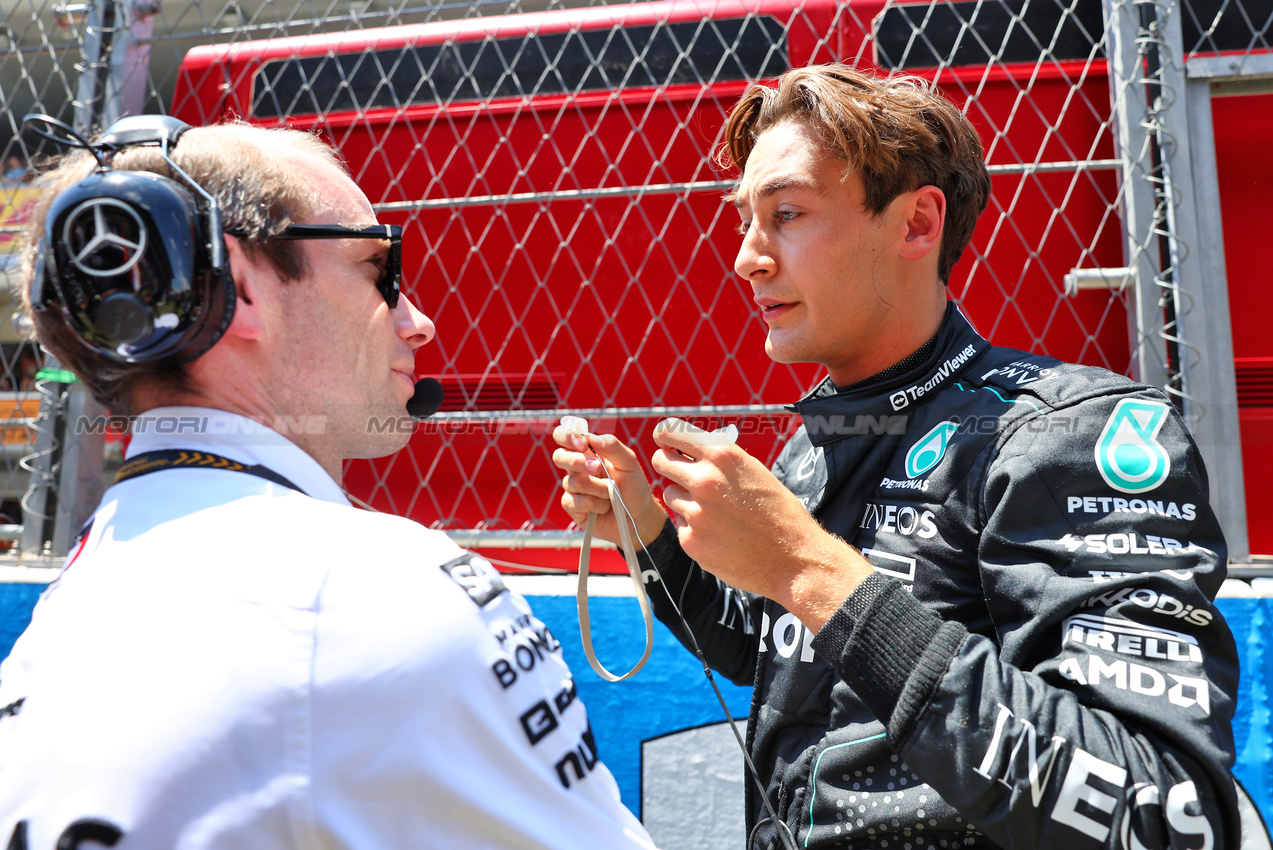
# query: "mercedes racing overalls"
1036, 661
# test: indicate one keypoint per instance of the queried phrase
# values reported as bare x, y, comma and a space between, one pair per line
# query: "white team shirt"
228, 663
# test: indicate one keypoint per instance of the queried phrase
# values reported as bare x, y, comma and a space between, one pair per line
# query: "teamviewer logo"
899, 400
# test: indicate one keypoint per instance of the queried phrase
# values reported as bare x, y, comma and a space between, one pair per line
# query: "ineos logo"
103, 239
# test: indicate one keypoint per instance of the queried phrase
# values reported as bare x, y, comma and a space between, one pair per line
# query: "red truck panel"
629, 300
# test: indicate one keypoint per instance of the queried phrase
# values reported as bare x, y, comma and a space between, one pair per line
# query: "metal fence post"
1132, 143
79, 476
1175, 241
66, 466
1208, 380
40, 500
92, 101
130, 59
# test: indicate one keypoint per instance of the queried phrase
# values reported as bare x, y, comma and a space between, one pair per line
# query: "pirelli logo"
1164, 648
1124, 637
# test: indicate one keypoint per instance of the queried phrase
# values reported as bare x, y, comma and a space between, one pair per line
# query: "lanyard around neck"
158, 461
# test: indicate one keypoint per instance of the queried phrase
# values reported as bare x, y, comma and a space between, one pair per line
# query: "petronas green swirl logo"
930, 449
1128, 453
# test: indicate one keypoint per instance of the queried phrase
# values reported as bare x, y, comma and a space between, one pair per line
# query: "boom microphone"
427, 399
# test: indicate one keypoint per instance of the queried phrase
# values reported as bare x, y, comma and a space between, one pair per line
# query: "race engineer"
974, 596
234, 656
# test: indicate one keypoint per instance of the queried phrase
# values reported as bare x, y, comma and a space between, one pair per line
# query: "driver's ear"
924, 211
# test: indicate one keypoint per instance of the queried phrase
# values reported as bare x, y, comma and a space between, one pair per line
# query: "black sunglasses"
390, 283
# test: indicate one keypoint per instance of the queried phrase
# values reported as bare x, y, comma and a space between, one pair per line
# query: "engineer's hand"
585, 489
742, 525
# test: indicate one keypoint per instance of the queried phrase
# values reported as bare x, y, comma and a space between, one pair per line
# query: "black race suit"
1036, 661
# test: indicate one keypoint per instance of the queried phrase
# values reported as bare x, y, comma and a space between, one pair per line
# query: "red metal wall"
612, 302
1243, 128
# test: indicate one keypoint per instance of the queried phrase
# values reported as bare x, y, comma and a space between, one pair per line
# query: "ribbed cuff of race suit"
890, 649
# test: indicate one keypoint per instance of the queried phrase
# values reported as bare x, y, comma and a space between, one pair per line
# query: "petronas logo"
1128, 453
930, 449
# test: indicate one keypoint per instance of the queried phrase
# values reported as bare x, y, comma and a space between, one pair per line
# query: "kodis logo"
1128, 453
930, 449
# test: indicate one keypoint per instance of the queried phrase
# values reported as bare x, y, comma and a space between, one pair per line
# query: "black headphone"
135, 262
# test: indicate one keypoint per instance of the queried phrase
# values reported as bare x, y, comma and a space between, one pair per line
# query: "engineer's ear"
925, 213
246, 323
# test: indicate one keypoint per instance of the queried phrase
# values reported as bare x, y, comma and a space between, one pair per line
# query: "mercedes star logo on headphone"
110, 248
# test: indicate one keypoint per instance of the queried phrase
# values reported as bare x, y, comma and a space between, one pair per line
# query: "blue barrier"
1252, 730
672, 694
669, 694
16, 602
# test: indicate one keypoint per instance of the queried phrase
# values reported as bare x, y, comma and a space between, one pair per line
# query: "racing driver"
974, 596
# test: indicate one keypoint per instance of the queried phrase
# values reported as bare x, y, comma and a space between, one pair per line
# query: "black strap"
158, 461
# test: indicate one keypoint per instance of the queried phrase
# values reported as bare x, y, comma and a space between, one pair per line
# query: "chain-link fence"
564, 223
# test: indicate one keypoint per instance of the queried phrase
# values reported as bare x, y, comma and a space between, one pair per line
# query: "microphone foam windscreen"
427, 399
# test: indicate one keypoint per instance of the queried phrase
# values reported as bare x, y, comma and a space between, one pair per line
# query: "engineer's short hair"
250, 172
